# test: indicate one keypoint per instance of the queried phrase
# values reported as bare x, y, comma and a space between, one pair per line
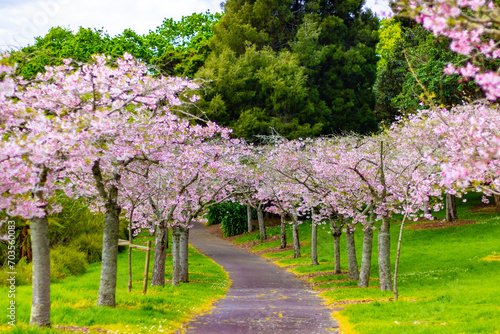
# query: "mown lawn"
161, 310
445, 283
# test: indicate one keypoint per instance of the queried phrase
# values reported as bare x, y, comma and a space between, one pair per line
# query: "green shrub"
23, 273
234, 220
74, 219
89, 244
218, 212
66, 261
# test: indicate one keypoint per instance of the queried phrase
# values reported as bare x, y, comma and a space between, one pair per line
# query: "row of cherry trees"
104, 131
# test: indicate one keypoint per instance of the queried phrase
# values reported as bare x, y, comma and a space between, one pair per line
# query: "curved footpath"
263, 298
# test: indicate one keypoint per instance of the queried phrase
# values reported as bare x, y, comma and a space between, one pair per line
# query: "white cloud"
380, 7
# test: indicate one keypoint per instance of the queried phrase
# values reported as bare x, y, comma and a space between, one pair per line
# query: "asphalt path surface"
263, 298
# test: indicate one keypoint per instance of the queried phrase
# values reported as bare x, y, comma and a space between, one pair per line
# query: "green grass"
445, 285
247, 237
327, 278
162, 308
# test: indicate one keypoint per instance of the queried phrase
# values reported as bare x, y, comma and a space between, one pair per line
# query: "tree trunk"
249, 219
130, 255
183, 255
451, 208
497, 202
107, 285
262, 224
161, 244
384, 255
314, 244
283, 232
176, 238
352, 262
366, 260
336, 233
295, 233
40, 305
427, 208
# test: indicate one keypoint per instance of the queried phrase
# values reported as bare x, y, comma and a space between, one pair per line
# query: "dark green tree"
259, 91
264, 23
344, 77
333, 44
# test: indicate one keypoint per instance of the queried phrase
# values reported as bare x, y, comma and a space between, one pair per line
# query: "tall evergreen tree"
333, 43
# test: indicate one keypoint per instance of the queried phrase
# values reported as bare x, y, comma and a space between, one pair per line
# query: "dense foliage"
411, 71
301, 68
174, 48
234, 221
104, 131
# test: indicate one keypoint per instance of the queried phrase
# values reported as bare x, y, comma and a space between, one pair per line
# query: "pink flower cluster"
470, 24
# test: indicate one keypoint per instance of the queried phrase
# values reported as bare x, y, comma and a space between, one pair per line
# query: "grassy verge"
448, 278
161, 310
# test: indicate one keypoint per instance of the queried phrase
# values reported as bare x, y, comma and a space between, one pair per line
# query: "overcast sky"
23, 20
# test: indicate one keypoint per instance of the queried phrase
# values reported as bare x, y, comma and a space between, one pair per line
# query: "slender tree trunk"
384, 255
352, 262
249, 219
396, 267
130, 219
107, 286
283, 232
366, 260
427, 208
497, 202
40, 305
336, 233
161, 244
176, 238
267, 215
183, 255
295, 233
166, 237
262, 224
111, 227
130, 255
451, 208
314, 244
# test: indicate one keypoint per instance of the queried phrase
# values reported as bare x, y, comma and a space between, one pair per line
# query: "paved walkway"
262, 299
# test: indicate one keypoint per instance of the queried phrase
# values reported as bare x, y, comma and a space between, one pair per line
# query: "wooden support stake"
146, 270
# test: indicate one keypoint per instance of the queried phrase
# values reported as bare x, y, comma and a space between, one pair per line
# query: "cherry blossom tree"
473, 27
196, 176
87, 124
343, 195
252, 178
31, 161
288, 170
